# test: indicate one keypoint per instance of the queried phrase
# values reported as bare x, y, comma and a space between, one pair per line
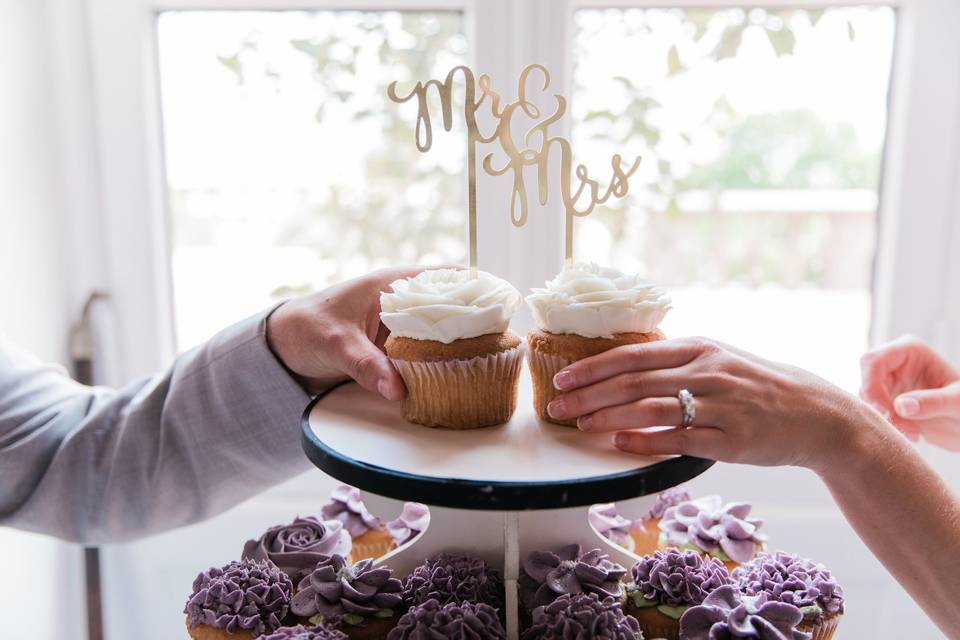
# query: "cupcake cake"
646, 534
582, 616
453, 577
364, 599
546, 576
611, 525
297, 547
725, 532
453, 621
449, 340
412, 521
240, 601
369, 538
584, 311
785, 577
666, 584
322, 631
727, 613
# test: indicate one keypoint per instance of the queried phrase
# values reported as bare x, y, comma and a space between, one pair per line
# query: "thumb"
924, 404
370, 367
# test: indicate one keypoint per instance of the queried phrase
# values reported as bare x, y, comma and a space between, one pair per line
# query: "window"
762, 133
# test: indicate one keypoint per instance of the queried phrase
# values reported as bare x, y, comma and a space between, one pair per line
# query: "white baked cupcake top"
446, 305
598, 302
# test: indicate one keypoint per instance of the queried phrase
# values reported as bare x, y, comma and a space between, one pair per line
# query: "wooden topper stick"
575, 183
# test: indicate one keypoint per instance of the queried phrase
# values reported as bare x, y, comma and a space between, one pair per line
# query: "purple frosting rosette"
705, 525
727, 614
412, 521
547, 575
675, 579
610, 524
451, 621
346, 506
666, 499
321, 631
786, 577
244, 595
582, 616
297, 547
337, 588
453, 577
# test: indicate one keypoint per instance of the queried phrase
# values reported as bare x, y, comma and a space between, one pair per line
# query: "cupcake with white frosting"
584, 311
449, 340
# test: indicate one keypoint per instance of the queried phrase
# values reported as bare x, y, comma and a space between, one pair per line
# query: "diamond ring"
688, 408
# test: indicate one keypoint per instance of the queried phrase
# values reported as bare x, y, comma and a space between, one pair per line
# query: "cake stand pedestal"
497, 493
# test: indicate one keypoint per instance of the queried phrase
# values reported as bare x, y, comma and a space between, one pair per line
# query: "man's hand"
336, 334
916, 389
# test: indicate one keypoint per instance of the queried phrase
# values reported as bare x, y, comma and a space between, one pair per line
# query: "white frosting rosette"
598, 302
447, 305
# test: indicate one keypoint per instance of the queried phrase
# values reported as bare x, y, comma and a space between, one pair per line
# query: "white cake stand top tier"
362, 440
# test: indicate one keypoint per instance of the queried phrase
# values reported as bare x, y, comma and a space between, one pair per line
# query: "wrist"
288, 337
862, 439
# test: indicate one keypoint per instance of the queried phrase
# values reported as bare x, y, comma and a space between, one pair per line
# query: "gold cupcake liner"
655, 624
824, 630
462, 394
372, 544
543, 367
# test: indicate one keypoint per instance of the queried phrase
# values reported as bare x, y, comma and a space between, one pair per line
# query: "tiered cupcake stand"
497, 493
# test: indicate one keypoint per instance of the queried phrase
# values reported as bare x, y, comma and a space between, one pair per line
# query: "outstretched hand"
916, 389
336, 334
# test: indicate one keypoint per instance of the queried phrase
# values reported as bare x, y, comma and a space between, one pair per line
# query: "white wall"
33, 302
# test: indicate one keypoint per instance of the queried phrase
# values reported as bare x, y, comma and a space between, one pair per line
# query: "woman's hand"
916, 389
748, 410
336, 334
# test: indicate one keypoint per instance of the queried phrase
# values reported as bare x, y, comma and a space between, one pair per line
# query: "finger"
702, 442
662, 354
648, 412
370, 367
925, 404
878, 366
618, 390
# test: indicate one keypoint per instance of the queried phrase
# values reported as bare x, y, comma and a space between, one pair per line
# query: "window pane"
762, 136
287, 167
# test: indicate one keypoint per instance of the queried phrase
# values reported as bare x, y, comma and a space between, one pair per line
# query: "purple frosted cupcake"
727, 614
646, 530
545, 576
365, 599
297, 547
706, 526
318, 632
785, 577
666, 584
453, 621
412, 521
368, 535
241, 600
582, 617
611, 525
453, 577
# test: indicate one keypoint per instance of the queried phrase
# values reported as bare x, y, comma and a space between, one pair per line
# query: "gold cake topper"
575, 183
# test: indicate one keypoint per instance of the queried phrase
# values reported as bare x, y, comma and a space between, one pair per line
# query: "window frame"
920, 171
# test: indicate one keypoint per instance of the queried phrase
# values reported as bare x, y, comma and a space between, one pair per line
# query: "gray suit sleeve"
95, 465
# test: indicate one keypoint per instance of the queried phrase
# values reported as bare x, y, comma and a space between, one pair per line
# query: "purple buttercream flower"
666, 499
789, 578
726, 614
412, 521
676, 578
243, 595
611, 525
710, 527
453, 621
321, 631
453, 577
546, 575
297, 547
336, 587
346, 506
582, 616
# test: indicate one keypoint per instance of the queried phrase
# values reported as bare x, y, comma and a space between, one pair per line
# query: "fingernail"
557, 408
563, 380
585, 423
383, 387
620, 440
906, 407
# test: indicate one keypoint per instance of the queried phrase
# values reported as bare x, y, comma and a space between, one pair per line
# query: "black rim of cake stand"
461, 493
